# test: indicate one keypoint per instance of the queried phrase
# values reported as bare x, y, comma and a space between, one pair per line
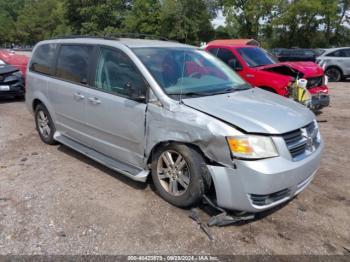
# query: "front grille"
314, 81
263, 200
303, 141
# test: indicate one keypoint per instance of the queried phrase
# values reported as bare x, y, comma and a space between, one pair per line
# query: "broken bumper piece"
319, 101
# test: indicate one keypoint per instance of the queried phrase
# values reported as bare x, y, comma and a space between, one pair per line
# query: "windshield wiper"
225, 91
232, 89
190, 94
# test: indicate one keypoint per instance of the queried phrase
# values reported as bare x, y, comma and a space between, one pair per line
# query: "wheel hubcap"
43, 124
173, 173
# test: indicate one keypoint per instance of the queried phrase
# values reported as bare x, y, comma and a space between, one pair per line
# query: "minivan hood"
254, 111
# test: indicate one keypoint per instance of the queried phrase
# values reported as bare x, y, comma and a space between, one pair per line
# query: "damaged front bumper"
319, 101
15, 87
255, 186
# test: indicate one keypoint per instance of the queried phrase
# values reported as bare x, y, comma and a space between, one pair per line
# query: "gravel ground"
56, 201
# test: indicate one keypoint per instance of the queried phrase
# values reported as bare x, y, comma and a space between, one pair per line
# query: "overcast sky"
219, 20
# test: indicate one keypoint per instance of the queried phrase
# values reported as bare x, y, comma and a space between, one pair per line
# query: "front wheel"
180, 175
44, 125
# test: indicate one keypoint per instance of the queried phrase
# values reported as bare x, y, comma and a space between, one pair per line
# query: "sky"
219, 20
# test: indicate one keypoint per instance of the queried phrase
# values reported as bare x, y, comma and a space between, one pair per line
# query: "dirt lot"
56, 201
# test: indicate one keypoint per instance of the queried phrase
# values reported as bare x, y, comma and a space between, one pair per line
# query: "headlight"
17, 73
252, 147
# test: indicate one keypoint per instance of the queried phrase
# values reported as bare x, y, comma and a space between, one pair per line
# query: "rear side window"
73, 63
285, 53
42, 59
309, 53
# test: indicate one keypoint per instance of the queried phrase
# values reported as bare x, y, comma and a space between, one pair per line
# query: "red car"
261, 69
16, 60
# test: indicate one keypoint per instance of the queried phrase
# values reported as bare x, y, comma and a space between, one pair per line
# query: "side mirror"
136, 94
235, 65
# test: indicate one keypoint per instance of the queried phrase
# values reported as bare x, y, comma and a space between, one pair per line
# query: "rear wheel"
44, 124
180, 174
334, 74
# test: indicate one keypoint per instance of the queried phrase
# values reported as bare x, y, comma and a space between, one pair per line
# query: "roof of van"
130, 42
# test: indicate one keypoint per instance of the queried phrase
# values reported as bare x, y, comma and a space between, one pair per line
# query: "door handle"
249, 75
79, 96
94, 100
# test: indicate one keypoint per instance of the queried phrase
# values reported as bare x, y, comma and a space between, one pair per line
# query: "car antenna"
182, 75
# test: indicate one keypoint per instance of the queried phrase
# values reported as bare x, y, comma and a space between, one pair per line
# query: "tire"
334, 74
194, 174
44, 125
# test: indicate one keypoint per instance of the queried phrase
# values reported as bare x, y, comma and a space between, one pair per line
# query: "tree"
288, 23
8, 17
186, 21
39, 20
96, 17
144, 17
316, 23
249, 15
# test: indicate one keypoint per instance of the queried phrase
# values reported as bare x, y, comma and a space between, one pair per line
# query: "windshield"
255, 56
189, 72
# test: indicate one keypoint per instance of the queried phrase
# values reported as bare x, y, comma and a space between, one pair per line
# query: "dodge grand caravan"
175, 113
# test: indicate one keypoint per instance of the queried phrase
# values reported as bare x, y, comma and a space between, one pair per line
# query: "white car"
336, 63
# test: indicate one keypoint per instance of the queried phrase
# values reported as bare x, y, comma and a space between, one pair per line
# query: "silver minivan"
175, 113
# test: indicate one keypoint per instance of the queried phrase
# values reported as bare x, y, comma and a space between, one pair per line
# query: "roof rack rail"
115, 36
84, 36
138, 35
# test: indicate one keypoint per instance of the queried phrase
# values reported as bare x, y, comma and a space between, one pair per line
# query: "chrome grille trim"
302, 142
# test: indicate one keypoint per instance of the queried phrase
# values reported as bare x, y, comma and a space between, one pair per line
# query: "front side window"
255, 56
73, 63
229, 58
43, 58
189, 72
334, 54
116, 73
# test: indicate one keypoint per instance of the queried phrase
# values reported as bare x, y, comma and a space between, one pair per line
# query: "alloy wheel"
173, 173
43, 124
